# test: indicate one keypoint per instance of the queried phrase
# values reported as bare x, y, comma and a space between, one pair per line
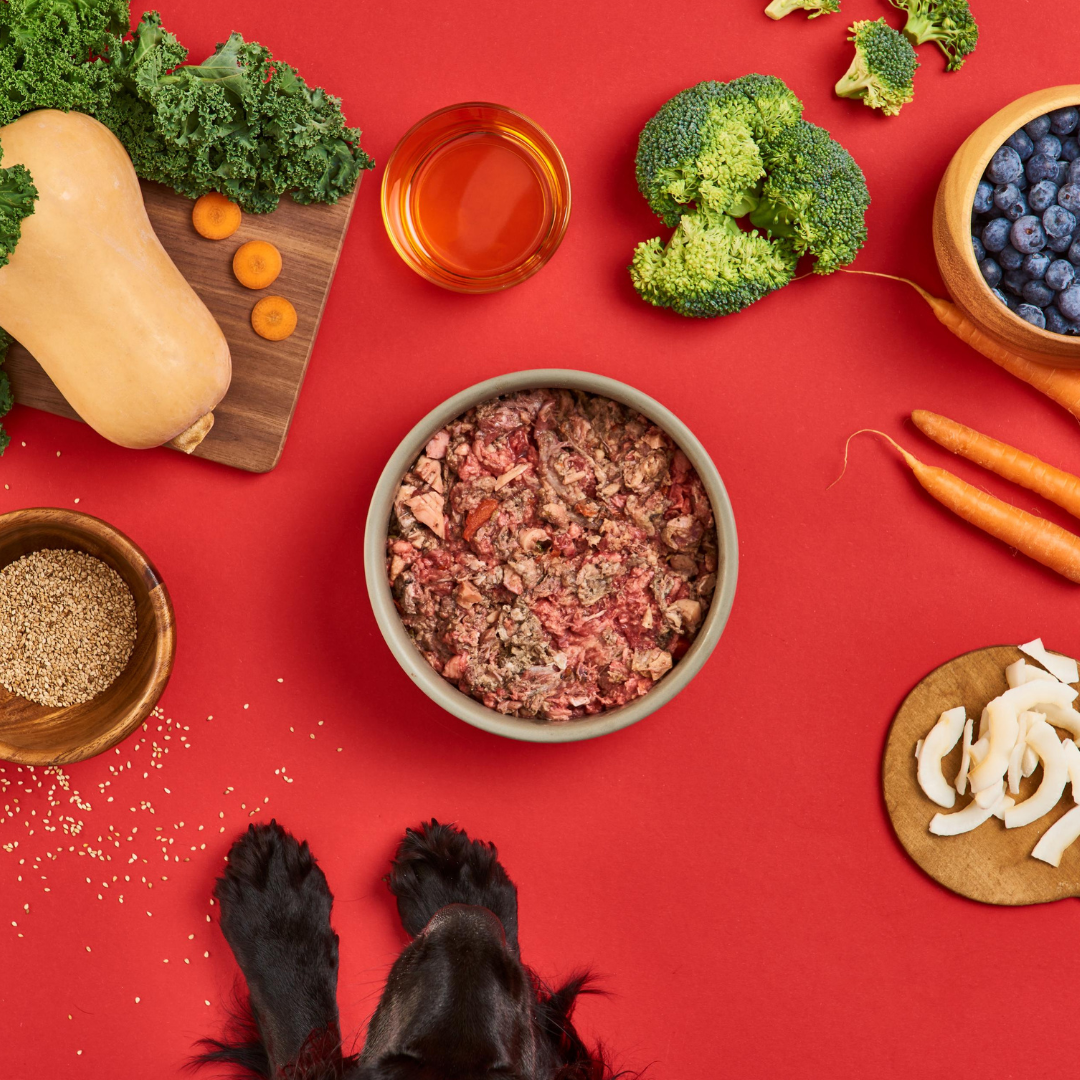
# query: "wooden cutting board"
252, 421
991, 863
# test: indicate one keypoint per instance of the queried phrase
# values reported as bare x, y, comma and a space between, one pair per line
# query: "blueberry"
1042, 195
1069, 197
1058, 222
1005, 166
1027, 234
984, 197
1050, 145
1039, 167
1035, 292
1014, 281
1038, 127
1010, 258
1074, 253
1070, 149
1074, 173
1064, 121
1062, 176
1032, 314
1059, 244
1055, 321
977, 247
1060, 274
1016, 210
1022, 182
1001, 296
1036, 264
1068, 302
991, 272
1021, 142
995, 234
1004, 194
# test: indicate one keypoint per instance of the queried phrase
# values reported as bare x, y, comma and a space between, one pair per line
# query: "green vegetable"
721, 151
948, 22
883, 70
779, 8
239, 123
6, 399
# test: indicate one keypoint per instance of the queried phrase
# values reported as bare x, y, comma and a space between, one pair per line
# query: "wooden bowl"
952, 233
32, 734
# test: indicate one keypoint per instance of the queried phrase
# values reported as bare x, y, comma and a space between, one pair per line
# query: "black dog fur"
458, 1003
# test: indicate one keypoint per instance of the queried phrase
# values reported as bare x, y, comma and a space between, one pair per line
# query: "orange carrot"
1021, 468
1032, 536
256, 264
214, 216
1059, 384
273, 318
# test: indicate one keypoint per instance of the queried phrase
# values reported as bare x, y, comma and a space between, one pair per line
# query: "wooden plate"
991, 864
252, 421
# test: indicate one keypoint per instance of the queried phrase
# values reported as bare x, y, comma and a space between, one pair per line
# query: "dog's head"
458, 1002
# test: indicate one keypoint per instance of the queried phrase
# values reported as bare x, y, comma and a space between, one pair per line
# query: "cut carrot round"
214, 216
256, 264
273, 318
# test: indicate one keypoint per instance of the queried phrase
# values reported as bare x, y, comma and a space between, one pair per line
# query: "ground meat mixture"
552, 554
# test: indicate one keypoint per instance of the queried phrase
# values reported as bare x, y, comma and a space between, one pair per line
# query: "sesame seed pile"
67, 627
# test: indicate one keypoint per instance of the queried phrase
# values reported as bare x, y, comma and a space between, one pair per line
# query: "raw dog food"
552, 554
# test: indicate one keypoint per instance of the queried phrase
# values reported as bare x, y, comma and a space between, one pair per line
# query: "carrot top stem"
909, 458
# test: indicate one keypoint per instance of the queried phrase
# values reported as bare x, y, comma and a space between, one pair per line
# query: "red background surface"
727, 865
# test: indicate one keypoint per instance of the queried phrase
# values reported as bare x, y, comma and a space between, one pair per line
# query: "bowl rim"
430, 681
163, 628
509, 278
1030, 106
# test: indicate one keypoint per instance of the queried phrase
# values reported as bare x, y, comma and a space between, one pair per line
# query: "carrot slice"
1055, 485
256, 264
214, 216
1038, 539
273, 318
1059, 384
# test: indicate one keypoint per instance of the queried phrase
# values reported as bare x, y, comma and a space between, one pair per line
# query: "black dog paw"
438, 865
275, 915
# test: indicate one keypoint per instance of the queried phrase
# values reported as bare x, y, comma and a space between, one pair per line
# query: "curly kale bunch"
883, 71
777, 9
949, 23
239, 122
719, 152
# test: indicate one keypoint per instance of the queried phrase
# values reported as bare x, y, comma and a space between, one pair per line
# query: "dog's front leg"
275, 915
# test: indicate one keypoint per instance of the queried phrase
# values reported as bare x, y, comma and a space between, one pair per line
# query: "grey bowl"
444, 693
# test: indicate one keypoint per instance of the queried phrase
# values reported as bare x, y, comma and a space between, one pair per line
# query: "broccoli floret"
709, 267
814, 200
883, 70
948, 22
779, 8
718, 152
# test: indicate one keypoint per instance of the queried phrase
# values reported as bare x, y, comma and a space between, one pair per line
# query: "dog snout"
463, 921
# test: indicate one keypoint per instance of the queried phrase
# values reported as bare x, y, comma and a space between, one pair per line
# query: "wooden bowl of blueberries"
1007, 226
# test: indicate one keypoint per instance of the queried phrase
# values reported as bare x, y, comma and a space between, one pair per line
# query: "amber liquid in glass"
480, 204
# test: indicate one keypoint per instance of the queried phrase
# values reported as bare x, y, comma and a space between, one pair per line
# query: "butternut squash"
95, 298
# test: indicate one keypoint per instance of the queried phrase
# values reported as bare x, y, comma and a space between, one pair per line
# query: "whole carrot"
1059, 384
1021, 468
1032, 536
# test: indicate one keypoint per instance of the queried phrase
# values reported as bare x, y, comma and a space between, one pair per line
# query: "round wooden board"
991, 864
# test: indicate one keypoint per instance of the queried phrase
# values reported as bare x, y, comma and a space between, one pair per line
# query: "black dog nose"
465, 920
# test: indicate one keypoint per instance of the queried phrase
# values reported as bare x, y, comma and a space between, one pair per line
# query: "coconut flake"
965, 759
1058, 837
1043, 740
942, 737
1029, 762
1061, 667
971, 817
1016, 755
1072, 764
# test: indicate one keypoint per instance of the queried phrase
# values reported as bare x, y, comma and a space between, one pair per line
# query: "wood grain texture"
991, 864
34, 734
952, 233
252, 421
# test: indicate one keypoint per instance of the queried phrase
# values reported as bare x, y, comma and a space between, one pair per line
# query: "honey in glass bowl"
476, 198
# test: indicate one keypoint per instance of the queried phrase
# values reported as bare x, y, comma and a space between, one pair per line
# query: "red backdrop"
727, 865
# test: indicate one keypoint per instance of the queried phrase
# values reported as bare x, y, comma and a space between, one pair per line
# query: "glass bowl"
476, 198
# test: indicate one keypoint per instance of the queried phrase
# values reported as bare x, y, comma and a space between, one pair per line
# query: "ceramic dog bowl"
952, 233
34, 734
447, 695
